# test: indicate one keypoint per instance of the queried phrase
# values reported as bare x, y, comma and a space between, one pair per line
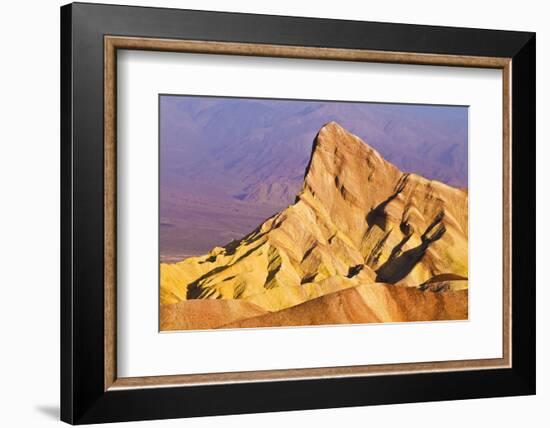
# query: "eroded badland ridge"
363, 242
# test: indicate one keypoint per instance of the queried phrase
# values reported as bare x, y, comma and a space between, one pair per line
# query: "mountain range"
361, 242
229, 163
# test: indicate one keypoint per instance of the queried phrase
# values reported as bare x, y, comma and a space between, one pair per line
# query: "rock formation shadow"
399, 264
377, 216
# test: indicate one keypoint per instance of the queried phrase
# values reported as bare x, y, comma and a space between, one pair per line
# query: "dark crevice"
377, 216
399, 264
354, 270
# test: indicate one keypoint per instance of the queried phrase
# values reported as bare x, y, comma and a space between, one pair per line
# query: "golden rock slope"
357, 221
368, 303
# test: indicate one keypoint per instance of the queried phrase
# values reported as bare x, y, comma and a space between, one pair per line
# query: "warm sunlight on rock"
363, 242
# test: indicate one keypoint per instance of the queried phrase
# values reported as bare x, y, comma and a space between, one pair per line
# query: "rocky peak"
358, 220
341, 163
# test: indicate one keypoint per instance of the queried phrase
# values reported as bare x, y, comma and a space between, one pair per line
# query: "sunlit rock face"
398, 240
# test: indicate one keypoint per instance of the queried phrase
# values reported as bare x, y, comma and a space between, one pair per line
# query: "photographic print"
282, 212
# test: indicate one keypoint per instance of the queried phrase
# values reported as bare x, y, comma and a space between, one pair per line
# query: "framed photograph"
265, 213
